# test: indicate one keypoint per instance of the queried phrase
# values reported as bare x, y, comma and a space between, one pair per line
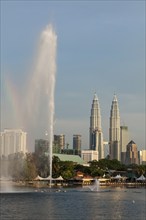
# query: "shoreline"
40, 184
45, 184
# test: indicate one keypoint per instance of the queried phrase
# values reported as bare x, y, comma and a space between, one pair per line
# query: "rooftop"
66, 157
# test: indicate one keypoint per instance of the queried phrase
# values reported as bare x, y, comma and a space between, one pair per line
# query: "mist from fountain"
37, 105
40, 97
95, 186
5, 177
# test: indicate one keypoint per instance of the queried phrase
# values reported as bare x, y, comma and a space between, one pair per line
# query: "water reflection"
75, 204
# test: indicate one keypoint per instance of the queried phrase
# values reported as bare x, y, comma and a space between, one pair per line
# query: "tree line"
27, 167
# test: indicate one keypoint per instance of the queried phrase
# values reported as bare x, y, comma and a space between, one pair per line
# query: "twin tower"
96, 135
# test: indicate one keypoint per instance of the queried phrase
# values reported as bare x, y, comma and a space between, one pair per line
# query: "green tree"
30, 170
56, 171
67, 174
141, 169
97, 172
67, 169
16, 166
42, 164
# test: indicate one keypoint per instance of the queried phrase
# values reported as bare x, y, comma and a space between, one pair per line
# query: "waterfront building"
89, 155
132, 153
12, 141
59, 141
95, 133
76, 159
114, 131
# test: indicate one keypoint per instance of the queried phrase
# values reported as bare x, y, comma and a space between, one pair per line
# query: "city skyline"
101, 50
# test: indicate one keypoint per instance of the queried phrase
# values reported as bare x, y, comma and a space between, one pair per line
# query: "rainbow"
13, 103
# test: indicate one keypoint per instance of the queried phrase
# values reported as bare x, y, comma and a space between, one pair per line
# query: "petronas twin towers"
114, 131
96, 135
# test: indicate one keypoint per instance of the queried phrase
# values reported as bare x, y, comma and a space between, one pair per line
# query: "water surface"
75, 204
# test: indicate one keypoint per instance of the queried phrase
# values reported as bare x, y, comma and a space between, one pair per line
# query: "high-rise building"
59, 141
132, 153
142, 157
77, 142
96, 135
12, 141
114, 131
124, 140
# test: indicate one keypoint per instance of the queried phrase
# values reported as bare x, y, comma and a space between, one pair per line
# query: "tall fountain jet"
114, 130
40, 100
96, 135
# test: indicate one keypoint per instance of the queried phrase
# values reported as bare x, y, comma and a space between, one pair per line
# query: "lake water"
74, 204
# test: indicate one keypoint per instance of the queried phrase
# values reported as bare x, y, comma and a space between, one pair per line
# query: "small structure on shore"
141, 178
42, 181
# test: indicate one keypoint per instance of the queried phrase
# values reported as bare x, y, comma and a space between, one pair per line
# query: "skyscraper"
124, 140
96, 135
132, 153
114, 131
59, 140
77, 142
12, 141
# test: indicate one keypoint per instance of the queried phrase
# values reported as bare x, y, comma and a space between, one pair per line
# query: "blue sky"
100, 48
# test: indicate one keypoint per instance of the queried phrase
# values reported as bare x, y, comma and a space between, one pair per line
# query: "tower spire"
95, 96
115, 98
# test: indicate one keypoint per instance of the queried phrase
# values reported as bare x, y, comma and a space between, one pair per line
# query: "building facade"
114, 131
89, 155
59, 141
142, 157
77, 142
95, 133
124, 140
12, 141
132, 153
